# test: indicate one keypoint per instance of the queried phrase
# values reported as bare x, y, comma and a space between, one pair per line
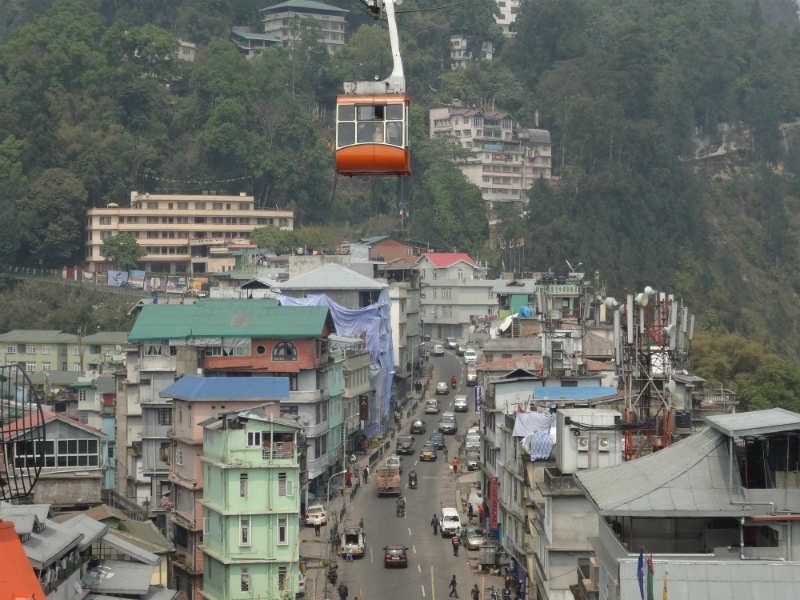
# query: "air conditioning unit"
583, 444
602, 444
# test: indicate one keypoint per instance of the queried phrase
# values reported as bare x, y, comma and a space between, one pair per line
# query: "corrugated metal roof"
228, 318
53, 378
90, 529
107, 337
119, 577
39, 336
445, 259
332, 277
573, 393
191, 387
368, 241
130, 549
755, 422
308, 5
50, 544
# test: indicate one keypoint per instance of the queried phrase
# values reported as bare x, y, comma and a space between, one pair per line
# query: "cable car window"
346, 134
347, 112
394, 133
394, 112
371, 112
370, 132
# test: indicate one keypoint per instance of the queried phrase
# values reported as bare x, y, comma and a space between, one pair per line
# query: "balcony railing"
277, 450
588, 578
555, 481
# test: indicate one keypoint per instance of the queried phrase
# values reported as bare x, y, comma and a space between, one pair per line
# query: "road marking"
423, 590
416, 462
409, 531
371, 559
433, 587
414, 548
419, 569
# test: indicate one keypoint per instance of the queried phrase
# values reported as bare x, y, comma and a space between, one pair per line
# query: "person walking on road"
475, 592
343, 591
455, 466
316, 529
456, 542
366, 474
470, 512
453, 590
435, 524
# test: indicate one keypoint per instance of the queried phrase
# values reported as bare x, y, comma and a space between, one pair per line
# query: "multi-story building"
249, 42
178, 231
506, 160
54, 350
453, 292
405, 317
461, 55
195, 400
283, 22
251, 505
342, 285
507, 11
357, 389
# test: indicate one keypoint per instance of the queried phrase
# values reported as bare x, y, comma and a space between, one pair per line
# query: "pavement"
431, 559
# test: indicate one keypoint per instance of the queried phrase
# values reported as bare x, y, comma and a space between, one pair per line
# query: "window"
12, 349
46, 349
29, 453
30, 366
283, 535
105, 220
77, 453
254, 438
111, 449
320, 446
199, 206
243, 485
281, 577
281, 484
165, 416
183, 205
152, 205
76, 367
30, 349
45, 366
178, 455
244, 531
244, 583
284, 351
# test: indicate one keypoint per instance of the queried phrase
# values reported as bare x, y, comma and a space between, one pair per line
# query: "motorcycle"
453, 383
401, 508
412, 480
332, 573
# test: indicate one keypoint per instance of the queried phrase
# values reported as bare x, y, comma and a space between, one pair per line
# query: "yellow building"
178, 231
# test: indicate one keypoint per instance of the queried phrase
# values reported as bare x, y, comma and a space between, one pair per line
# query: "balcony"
307, 396
555, 483
157, 363
589, 578
277, 450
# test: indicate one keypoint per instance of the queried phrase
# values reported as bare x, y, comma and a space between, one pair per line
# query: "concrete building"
406, 329
251, 505
178, 231
251, 43
195, 400
507, 11
461, 55
187, 51
718, 511
506, 159
356, 391
342, 285
283, 22
454, 292
53, 350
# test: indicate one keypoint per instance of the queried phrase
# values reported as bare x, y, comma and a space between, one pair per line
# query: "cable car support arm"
396, 82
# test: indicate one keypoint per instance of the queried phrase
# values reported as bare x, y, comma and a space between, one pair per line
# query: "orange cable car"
372, 116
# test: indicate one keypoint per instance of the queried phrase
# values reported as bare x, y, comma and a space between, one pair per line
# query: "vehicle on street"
472, 440
405, 444
452, 343
460, 404
449, 522
438, 350
441, 388
352, 541
437, 439
394, 462
316, 515
418, 426
395, 556
388, 481
460, 350
470, 356
301, 583
473, 461
431, 406
428, 453
474, 538
447, 424
472, 375
474, 430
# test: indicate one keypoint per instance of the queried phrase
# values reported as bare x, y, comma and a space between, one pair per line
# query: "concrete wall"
69, 489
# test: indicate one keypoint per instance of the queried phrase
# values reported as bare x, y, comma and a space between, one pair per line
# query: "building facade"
251, 507
178, 231
507, 11
283, 22
53, 350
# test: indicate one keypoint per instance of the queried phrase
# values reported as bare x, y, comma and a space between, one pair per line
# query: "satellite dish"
642, 299
649, 291
611, 303
21, 427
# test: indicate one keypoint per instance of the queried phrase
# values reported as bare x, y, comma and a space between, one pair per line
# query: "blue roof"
573, 393
191, 387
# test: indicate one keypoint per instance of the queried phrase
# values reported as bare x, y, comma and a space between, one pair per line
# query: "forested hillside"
93, 104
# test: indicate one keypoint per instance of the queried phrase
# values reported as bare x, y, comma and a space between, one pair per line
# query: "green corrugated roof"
38, 336
248, 35
227, 318
107, 337
305, 5
373, 239
63, 378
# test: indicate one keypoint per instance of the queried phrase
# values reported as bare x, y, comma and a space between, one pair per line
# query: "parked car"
431, 406
472, 375
405, 444
470, 356
460, 350
395, 556
452, 343
418, 426
449, 522
474, 538
438, 350
473, 461
428, 453
352, 541
441, 388
460, 404
474, 430
394, 462
437, 439
447, 424
316, 515
472, 440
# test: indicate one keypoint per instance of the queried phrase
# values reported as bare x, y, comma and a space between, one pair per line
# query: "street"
431, 563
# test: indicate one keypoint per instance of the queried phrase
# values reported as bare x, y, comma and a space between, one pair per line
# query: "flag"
302, 566
664, 594
640, 573
650, 570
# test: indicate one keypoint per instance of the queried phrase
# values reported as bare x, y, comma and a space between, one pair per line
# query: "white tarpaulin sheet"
527, 423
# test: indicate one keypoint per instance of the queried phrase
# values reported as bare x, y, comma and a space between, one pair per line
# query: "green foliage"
310, 238
123, 251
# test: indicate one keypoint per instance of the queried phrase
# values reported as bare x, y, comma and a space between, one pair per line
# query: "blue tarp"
373, 323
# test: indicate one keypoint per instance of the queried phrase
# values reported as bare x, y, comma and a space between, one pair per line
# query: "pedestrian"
476, 593
453, 590
349, 555
470, 512
316, 529
456, 543
445, 451
455, 465
366, 474
361, 523
348, 476
480, 513
343, 591
434, 524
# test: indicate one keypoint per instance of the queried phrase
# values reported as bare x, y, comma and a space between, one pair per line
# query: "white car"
441, 387
452, 343
316, 515
449, 523
394, 462
438, 350
472, 440
470, 356
460, 404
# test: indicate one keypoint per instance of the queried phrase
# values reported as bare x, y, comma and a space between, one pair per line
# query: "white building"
460, 54
282, 22
508, 10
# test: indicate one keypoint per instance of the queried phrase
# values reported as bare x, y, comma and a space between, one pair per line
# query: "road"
431, 560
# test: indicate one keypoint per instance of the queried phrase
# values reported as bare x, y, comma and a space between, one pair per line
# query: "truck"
472, 375
388, 481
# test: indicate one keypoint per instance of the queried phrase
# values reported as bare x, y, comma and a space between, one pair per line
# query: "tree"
123, 250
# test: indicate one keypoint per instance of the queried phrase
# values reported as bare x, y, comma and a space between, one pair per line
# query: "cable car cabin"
372, 135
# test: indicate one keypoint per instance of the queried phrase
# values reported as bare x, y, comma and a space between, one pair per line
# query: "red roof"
17, 579
445, 259
32, 420
528, 362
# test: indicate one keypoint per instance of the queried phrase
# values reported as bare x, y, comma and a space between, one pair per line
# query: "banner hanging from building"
117, 278
136, 278
176, 284
493, 493
155, 284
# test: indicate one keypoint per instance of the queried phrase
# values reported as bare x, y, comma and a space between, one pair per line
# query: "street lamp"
328, 495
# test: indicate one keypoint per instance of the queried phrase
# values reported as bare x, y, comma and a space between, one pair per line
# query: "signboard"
117, 278
493, 493
477, 399
136, 278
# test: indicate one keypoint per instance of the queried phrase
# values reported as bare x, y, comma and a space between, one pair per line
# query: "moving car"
431, 406
394, 462
395, 556
428, 453
437, 439
470, 356
316, 515
405, 444
418, 426
473, 461
449, 523
474, 538
438, 350
447, 424
352, 541
441, 388
460, 404
460, 350
452, 343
